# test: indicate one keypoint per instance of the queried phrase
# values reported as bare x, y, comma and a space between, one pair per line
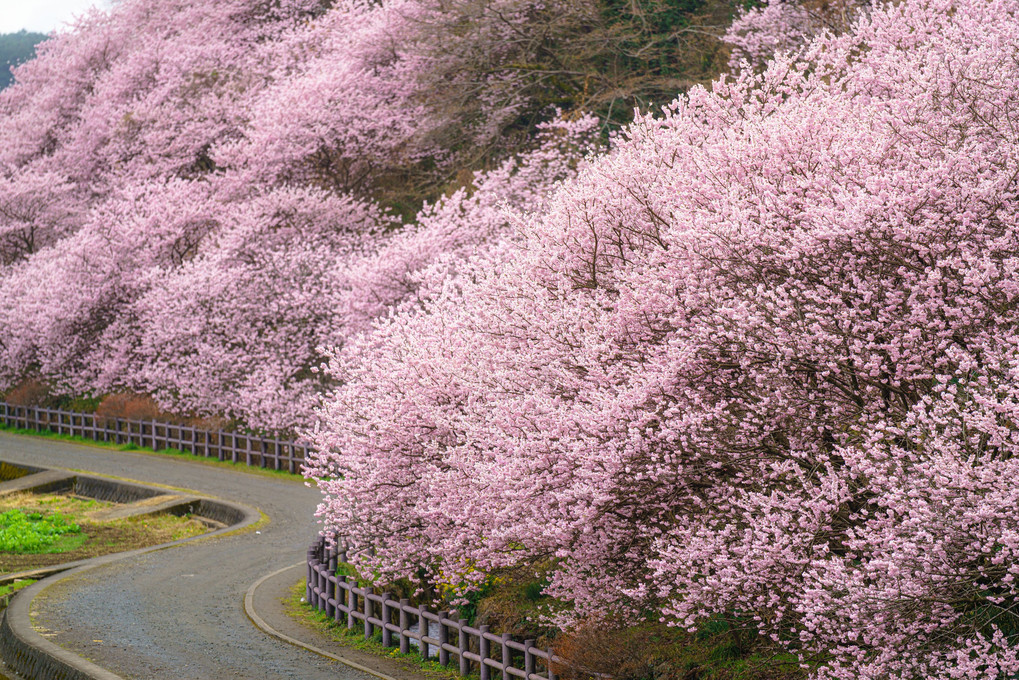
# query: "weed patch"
39, 530
32, 532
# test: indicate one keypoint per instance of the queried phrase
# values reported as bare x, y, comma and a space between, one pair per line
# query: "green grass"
32, 533
184, 455
14, 586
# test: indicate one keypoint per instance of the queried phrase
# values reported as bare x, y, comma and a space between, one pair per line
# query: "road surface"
178, 613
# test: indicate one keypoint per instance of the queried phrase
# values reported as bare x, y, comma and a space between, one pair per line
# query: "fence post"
338, 611
463, 644
323, 587
528, 659
484, 647
423, 630
551, 673
368, 628
351, 606
330, 593
332, 561
443, 639
506, 656
387, 614
330, 589
311, 575
404, 625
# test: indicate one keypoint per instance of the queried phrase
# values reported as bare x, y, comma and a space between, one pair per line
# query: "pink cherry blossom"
759, 361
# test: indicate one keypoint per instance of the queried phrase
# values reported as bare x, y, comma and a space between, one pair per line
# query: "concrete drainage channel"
22, 649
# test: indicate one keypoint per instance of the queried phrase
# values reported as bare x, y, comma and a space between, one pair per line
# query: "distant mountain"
16, 48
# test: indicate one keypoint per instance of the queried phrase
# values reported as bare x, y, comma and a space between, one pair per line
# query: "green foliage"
721, 649
468, 610
346, 569
22, 532
661, 17
648, 32
79, 404
8, 588
535, 590
16, 48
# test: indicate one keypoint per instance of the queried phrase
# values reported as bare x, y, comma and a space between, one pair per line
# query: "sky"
42, 16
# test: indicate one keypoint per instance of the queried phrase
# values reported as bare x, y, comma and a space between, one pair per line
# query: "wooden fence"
440, 635
252, 450
435, 634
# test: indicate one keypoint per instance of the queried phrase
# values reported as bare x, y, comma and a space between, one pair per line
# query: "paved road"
178, 613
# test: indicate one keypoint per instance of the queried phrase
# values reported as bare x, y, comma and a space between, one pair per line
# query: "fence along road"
178, 613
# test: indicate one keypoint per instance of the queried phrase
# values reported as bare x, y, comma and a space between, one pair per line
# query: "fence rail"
252, 450
403, 625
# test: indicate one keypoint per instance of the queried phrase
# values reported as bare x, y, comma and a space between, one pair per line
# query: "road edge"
261, 624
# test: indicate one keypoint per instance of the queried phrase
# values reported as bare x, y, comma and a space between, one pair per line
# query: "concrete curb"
29, 654
259, 622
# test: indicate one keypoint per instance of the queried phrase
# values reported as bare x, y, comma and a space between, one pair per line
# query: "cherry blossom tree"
216, 163
758, 362
236, 331
190, 212
759, 33
36, 210
63, 297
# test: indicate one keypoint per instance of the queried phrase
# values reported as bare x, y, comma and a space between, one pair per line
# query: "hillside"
16, 48
343, 147
677, 317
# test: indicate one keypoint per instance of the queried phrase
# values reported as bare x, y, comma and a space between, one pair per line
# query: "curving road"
178, 613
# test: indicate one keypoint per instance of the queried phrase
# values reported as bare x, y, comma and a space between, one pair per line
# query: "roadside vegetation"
42, 530
33, 532
354, 638
13, 587
513, 601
